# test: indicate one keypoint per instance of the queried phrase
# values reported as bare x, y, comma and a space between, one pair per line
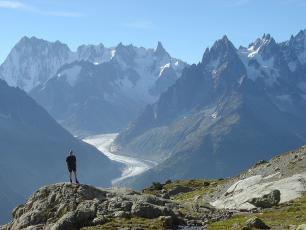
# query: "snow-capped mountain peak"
32, 62
265, 46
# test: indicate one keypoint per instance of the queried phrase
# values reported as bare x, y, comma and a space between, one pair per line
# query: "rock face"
266, 201
71, 206
244, 193
33, 61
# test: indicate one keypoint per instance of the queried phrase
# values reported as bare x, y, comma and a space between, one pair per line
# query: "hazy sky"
185, 27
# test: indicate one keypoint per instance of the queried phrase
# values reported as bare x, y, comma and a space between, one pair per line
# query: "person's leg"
70, 176
75, 177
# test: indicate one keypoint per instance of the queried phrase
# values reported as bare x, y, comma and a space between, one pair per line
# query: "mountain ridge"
235, 106
57, 77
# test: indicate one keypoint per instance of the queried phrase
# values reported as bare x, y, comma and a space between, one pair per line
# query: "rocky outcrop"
71, 206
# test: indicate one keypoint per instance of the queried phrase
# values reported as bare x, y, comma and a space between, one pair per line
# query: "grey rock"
121, 214
256, 223
99, 220
266, 201
75, 206
68, 221
146, 210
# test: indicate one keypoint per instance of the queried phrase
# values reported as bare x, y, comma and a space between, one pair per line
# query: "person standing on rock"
71, 164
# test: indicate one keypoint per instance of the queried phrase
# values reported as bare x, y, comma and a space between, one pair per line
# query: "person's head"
70, 152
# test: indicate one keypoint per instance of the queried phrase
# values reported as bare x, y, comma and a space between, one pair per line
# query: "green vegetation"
281, 217
199, 187
119, 223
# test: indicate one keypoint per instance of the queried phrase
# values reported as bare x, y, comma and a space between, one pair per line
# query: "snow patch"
162, 69
113, 53
257, 67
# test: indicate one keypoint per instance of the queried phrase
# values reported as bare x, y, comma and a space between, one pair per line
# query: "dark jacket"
71, 163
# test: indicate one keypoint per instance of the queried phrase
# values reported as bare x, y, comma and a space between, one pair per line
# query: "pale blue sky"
185, 27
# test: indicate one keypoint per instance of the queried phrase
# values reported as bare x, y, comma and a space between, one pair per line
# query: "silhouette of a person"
71, 164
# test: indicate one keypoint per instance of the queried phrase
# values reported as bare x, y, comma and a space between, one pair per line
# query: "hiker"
71, 164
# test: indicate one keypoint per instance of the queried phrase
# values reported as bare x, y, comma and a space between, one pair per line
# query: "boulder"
266, 201
256, 223
146, 210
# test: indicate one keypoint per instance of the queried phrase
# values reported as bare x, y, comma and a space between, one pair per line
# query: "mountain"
107, 88
33, 61
33, 151
269, 195
59, 79
233, 108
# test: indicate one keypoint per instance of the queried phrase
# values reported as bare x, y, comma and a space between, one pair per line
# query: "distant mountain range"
33, 151
95, 89
235, 107
210, 119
